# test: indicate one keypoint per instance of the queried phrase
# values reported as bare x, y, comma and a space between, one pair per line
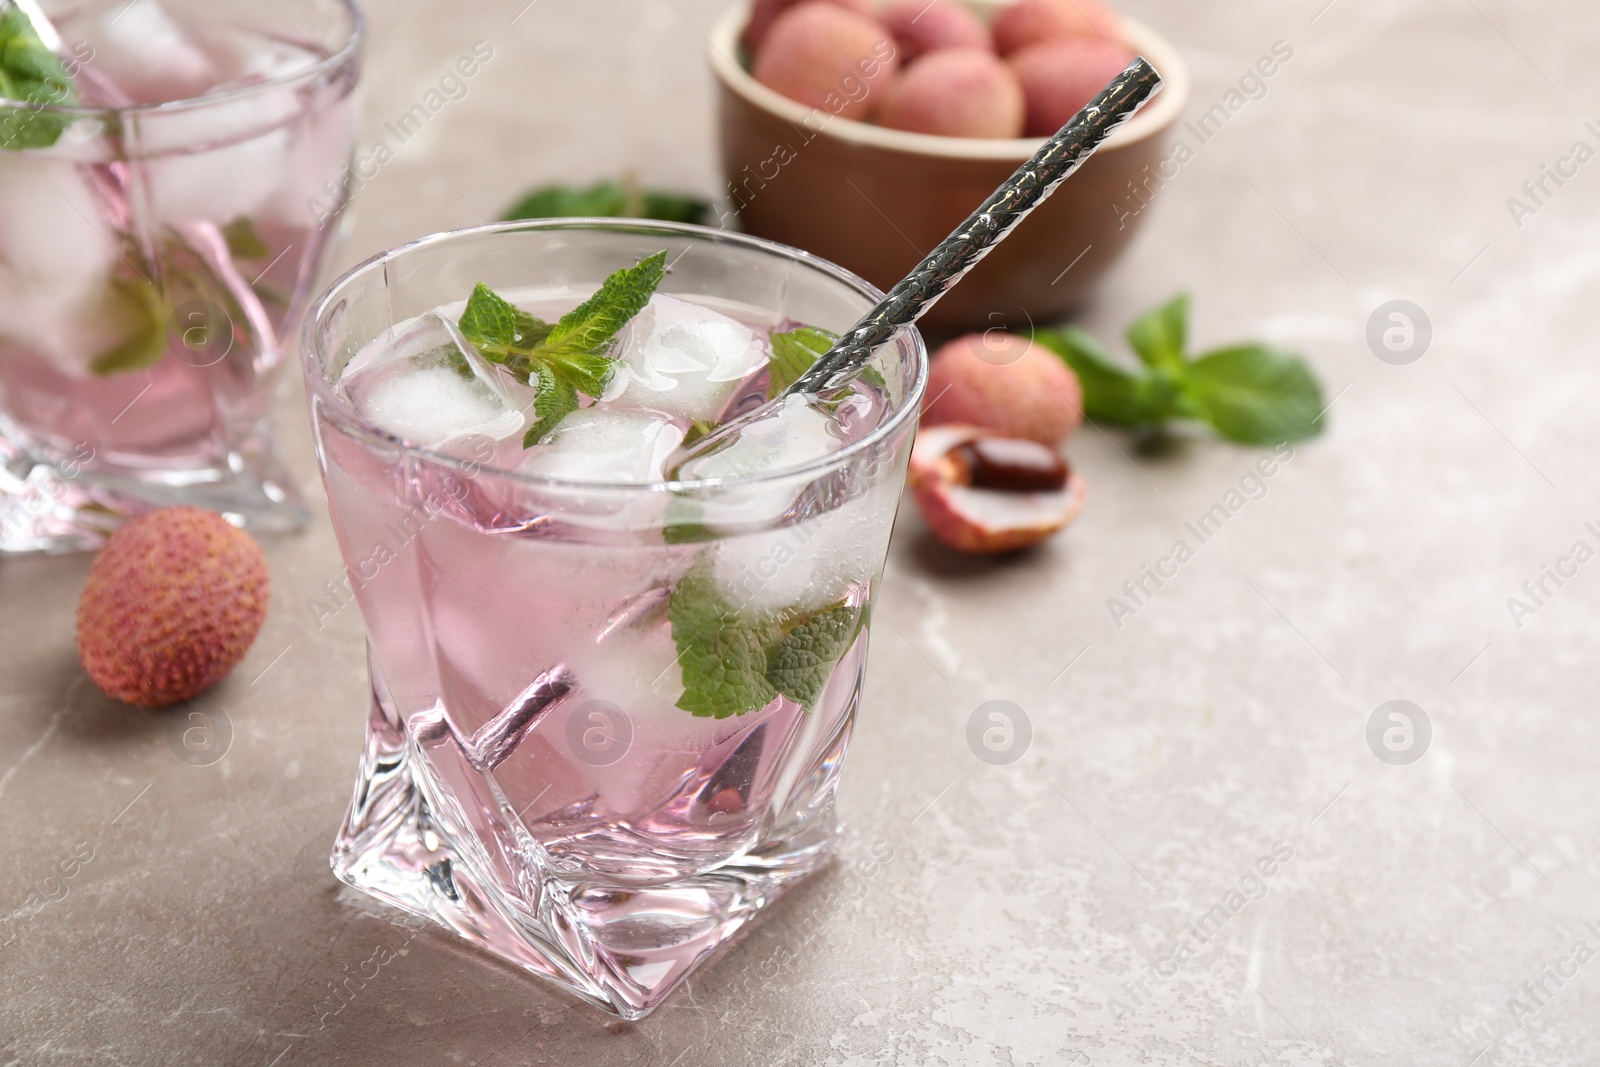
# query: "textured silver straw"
960, 252
985, 228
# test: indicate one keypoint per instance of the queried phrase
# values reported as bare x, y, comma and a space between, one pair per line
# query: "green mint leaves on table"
608, 200
569, 357
32, 74
1249, 393
734, 663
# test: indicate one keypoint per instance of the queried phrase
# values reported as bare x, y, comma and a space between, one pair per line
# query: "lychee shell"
956, 92
1005, 383
826, 57
920, 27
1027, 22
171, 605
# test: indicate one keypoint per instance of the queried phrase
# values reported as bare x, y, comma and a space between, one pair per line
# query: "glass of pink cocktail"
171, 175
610, 697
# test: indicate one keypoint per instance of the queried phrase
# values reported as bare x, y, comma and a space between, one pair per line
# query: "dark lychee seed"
1009, 465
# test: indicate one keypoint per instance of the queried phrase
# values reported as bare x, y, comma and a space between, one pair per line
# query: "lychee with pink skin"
1028, 22
826, 57
1005, 384
172, 604
982, 492
957, 92
920, 27
766, 12
1059, 78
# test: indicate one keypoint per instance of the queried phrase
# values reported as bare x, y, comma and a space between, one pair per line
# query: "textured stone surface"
1227, 715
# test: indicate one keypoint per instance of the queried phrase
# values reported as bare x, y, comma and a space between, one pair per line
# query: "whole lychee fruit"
823, 56
766, 12
957, 92
920, 27
981, 492
1036, 21
172, 604
1006, 384
1060, 77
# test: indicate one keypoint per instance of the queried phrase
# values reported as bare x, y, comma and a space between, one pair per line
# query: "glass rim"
331, 61
318, 382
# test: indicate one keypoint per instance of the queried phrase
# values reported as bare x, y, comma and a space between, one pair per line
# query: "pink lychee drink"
159, 234
611, 696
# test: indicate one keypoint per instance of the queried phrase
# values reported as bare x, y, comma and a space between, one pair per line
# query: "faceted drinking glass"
530, 780
159, 241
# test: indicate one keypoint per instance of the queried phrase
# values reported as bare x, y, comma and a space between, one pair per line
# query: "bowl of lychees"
864, 131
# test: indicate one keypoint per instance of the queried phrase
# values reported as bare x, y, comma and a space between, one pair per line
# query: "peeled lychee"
1059, 77
172, 604
823, 56
766, 12
1035, 21
958, 92
920, 27
1006, 384
981, 492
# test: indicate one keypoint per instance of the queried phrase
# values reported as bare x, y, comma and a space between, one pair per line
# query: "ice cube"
56, 256
426, 385
809, 565
687, 359
215, 161
603, 445
144, 50
797, 431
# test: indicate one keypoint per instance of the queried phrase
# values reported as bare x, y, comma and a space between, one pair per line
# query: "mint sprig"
734, 662
35, 76
568, 358
1249, 393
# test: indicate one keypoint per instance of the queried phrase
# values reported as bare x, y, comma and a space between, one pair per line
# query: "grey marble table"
1199, 859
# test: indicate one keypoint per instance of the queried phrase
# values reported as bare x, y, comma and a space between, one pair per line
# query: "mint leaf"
555, 399
147, 311
1111, 392
793, 353
606, 200
603, 200
243, 241
1256, 395
723, 656
1161, 336
590, 326
32, 74
490, 323
589, 373
799, 665
733, 663
674, 207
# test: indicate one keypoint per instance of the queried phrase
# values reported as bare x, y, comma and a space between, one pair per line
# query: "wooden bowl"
875, 200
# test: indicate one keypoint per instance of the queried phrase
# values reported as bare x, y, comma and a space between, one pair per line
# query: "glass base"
46, 509
408, 841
